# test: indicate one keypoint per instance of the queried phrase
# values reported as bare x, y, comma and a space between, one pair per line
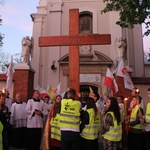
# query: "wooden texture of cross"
73, 41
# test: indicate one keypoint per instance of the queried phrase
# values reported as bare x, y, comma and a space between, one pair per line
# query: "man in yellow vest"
70, 122
147, 119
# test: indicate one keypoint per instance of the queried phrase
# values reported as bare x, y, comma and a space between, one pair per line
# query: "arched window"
85, 23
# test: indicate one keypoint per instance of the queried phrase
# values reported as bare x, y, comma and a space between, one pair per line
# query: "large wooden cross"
73, 41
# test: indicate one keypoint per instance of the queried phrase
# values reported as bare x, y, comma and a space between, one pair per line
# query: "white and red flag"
9, 75
110, 82
57, 89
42, 91
122, 72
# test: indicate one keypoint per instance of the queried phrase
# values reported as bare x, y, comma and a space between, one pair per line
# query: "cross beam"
94, 39
73, 41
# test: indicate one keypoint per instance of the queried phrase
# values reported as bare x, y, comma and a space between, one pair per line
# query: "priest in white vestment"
35, 110
18, 121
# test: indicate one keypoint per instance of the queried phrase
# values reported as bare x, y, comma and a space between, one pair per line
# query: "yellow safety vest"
55, 127
147, 115
115, 132
1, 141
91, 130
133, 117
70, 115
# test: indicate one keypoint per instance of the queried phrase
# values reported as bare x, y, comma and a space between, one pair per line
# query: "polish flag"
122, 72
42, 91
57, 89
9, 75
110, 81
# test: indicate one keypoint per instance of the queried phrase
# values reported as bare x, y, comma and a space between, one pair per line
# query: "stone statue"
27, 49
121, 47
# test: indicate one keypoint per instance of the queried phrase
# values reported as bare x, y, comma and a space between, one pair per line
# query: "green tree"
5, 60
4, 63
1, 35
131, 12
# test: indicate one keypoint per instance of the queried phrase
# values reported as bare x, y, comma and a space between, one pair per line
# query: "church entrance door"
85, 89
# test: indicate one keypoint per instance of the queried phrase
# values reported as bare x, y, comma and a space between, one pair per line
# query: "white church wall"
138, 54
53, 19
36, 51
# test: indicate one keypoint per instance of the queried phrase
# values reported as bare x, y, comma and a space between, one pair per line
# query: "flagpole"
9, 75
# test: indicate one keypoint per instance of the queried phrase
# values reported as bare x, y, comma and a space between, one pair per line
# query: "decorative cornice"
141, 80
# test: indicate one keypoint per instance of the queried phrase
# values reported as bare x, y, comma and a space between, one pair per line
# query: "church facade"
51, 63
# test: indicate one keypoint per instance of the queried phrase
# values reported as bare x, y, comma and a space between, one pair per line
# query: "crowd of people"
74, 122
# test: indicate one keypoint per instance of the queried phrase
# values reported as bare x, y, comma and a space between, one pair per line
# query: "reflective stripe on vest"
92, 129
115, 132
70, 114
55, 128
147, 115
133, 117
1, 130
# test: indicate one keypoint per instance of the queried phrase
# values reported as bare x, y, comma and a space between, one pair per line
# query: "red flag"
110, 81
9, 75
122, 71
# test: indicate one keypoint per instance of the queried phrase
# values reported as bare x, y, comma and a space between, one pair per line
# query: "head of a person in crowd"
90, 103
135, 91
71, 94
7, 94
112, 106
46, 99
36, 94
58, 99
18, 97
94, 95
136, 100
120, 99
57, 107
2, 99
148, 92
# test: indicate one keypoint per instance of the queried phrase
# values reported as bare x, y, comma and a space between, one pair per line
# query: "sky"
16, 23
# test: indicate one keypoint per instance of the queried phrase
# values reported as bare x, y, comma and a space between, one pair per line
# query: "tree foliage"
131, 12
4, 63
5, 60
1, 35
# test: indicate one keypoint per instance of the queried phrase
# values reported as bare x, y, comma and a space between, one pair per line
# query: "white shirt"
18, 115
33, 120
48, 106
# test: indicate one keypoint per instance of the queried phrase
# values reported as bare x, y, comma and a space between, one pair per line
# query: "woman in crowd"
136, 137
90, 126
111, 125
55, 127
46, 137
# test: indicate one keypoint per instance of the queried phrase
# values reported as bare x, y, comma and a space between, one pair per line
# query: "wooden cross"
73, 41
